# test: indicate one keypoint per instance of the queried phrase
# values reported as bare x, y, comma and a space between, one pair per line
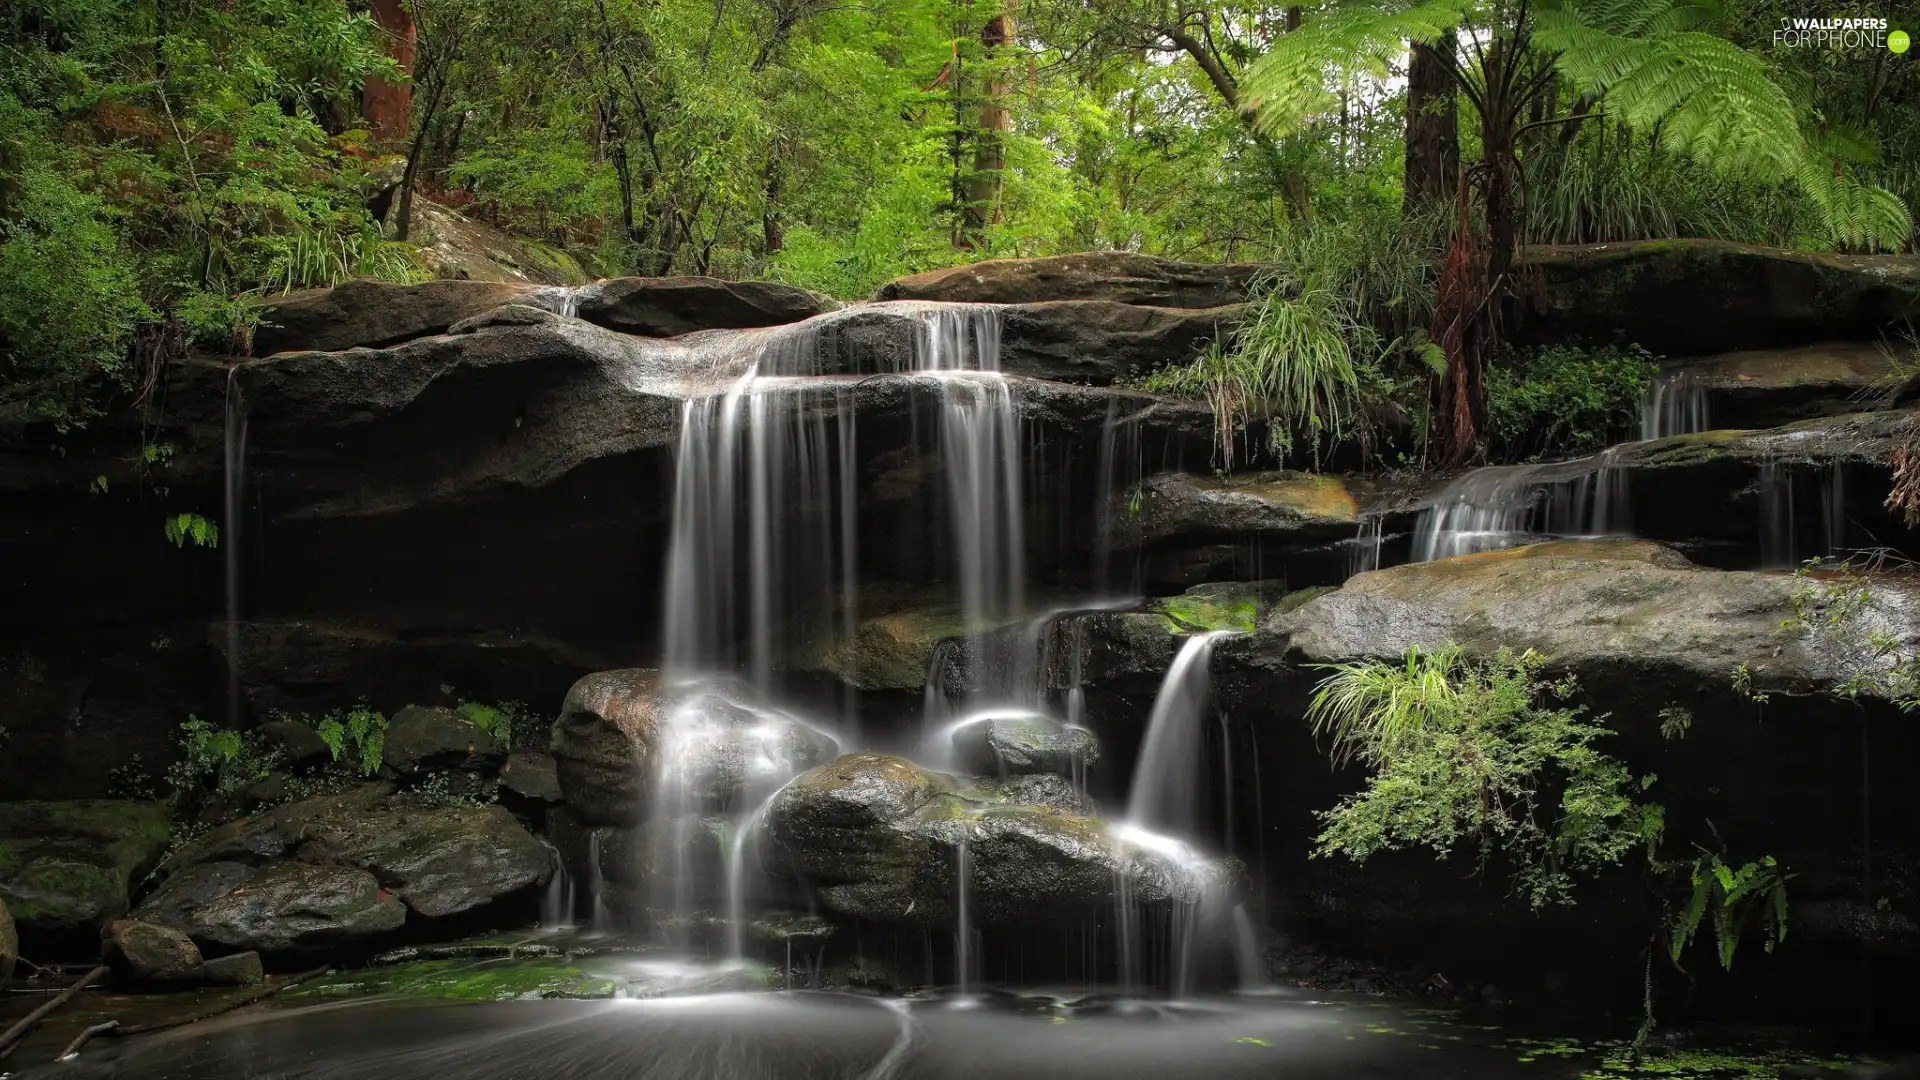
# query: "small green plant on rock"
215, 761
182, 528
1735, 900
132, 781
356, 737
1836, 609
514, 723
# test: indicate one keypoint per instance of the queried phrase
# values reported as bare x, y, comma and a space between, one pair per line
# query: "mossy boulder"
424, 738
67, 868
237, 969
432, 861
1609, 609
879, 838
147, 954
1191, 508
616, 727
1022, 744
891, 651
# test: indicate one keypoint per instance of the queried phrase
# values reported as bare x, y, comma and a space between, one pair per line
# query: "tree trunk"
773, 234
990, 150
1433, 127
388, 106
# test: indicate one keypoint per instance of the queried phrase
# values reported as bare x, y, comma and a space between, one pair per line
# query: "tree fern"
1292, 84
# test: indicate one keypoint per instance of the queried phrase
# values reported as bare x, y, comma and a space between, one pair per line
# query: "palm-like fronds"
1369, 708
1715, 102
1648, 64
1292, 84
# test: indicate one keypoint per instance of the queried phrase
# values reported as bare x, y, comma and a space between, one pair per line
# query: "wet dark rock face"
1115, 276
71, 867
346, 871
1699, 297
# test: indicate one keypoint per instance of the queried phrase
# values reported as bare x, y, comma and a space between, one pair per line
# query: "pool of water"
818, 1035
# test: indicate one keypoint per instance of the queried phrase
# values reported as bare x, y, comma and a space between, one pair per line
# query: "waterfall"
557, 902
1833, 510
1162, 797
963, 958
235, 438
1777, 548
1676, 404
1503, 506
1363, 551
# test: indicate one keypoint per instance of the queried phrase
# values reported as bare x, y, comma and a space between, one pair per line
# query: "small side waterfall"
235, 490
557, 902
1676, 404
1162, 798
1503, 506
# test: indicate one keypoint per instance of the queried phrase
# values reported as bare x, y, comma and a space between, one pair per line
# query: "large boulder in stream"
879, 838
68, 868
622, 734
345, 868
1612, 610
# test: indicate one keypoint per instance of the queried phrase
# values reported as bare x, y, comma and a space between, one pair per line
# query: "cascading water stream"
1162, 798
235, 449
1676, 404
1503, 506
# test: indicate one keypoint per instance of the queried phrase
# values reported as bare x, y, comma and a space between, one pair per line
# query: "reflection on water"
817, 1036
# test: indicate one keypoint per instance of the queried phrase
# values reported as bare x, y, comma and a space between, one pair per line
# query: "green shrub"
1481, 756
1565, 401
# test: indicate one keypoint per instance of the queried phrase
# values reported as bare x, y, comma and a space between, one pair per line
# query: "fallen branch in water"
19, 1031
114, 1029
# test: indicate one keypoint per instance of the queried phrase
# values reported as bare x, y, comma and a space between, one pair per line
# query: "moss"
1299, 597
466, 980
1313, 496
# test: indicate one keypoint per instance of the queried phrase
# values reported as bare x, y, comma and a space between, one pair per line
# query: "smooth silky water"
829, 1036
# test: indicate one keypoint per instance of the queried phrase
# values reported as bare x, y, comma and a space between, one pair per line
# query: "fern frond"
1292, 85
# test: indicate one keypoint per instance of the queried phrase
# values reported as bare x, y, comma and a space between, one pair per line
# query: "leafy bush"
1477, 755
511, 722
1565, 401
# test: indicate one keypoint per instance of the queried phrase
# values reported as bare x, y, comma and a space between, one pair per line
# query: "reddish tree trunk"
990, 154
389, 105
